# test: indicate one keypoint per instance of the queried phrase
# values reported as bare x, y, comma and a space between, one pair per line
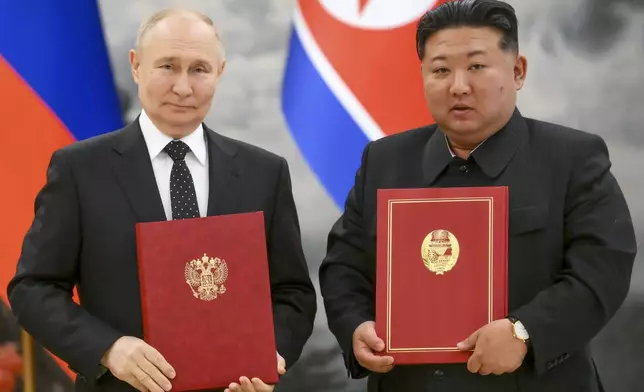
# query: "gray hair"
158, 16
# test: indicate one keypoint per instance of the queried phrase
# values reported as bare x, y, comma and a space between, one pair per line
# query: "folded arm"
293, 294
41, 291
599, 255
347, 277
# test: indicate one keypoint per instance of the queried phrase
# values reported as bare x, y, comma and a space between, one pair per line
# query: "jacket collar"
492, 155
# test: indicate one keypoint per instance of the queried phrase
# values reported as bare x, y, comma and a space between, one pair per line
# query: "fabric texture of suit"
571, 249
83, 234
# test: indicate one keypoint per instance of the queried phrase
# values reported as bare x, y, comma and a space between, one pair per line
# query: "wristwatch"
518, 330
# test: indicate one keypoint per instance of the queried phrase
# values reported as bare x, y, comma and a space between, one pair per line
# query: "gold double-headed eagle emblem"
206, 277
440, 251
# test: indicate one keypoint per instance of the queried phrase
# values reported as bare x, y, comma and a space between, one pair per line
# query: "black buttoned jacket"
571, 248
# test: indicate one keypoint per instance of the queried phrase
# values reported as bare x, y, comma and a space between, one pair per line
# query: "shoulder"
88, 149
548, 135
248, 154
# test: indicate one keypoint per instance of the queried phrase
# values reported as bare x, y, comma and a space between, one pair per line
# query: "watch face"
520, 331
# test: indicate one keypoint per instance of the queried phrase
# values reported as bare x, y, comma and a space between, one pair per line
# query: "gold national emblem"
206, 277
439, 251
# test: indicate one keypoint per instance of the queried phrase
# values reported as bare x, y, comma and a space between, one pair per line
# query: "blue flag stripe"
326, 134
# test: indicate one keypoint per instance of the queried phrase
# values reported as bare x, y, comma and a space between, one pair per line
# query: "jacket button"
439, 374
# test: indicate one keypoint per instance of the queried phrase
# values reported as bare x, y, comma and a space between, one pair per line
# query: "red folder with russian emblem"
441, 269
206, 299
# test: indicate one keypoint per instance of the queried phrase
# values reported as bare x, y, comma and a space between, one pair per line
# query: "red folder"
441, 269
206, 299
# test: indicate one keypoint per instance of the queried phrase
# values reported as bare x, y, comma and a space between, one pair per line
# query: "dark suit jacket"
571, 248
83, 234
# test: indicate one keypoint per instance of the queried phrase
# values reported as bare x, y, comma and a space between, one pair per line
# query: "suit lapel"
131, 163
223, 175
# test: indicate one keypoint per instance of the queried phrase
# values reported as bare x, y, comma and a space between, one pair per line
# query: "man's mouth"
461, 108
179, 106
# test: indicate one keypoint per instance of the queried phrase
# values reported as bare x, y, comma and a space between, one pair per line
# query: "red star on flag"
362, 5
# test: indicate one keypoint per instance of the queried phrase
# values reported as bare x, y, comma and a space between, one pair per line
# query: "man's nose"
460, 84
182, 85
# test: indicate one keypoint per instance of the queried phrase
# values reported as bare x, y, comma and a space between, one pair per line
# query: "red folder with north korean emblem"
441, 269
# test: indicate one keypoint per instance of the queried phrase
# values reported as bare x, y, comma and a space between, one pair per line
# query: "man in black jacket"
83, 233
571, 239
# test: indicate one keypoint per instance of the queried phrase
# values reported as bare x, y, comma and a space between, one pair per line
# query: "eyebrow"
166, 59
470, 54
174, 58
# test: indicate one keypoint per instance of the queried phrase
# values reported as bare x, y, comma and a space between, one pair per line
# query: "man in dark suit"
165, 165
571, 239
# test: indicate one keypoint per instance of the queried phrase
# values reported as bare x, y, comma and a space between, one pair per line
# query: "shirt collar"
451, 152
157, 140
492, 155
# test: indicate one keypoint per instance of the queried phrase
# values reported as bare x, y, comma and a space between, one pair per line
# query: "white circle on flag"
377, 14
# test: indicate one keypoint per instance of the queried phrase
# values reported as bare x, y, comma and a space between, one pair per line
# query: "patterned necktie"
182, 189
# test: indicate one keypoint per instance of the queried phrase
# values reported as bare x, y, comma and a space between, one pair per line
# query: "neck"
175, 131
463, 144
460, 152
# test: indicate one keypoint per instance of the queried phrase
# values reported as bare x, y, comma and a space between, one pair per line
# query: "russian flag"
352, 76
56, 87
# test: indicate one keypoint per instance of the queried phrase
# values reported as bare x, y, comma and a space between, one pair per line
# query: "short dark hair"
470, 13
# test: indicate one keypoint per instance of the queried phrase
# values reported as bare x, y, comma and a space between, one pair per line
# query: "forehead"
460, 41
181, 37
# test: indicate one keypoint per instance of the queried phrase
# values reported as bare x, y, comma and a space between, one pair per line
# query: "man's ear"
520, 71
222, 67
134, 65
220, 70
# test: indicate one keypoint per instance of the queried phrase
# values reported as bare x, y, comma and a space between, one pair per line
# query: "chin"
174, 114
180, 120
459, 126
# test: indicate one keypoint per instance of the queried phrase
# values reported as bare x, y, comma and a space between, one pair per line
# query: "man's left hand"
496, 350
257, 385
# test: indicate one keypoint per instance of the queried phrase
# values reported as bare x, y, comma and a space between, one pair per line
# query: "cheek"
504, 90
435, 93
157, 85
204, 88
489, 91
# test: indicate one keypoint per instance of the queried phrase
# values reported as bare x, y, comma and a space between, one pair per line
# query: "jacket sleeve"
293, 294
600, 249
347, 276
40, 293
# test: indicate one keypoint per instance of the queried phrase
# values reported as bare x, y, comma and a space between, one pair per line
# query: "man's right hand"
134, 361
365, 343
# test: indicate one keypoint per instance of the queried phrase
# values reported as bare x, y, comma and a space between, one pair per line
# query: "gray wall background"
585, 59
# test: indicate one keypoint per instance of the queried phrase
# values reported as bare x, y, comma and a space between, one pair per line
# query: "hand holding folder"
206, 299
132, 360
441, 270
255, 384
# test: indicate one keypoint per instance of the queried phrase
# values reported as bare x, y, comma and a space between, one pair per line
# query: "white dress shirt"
196, 159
